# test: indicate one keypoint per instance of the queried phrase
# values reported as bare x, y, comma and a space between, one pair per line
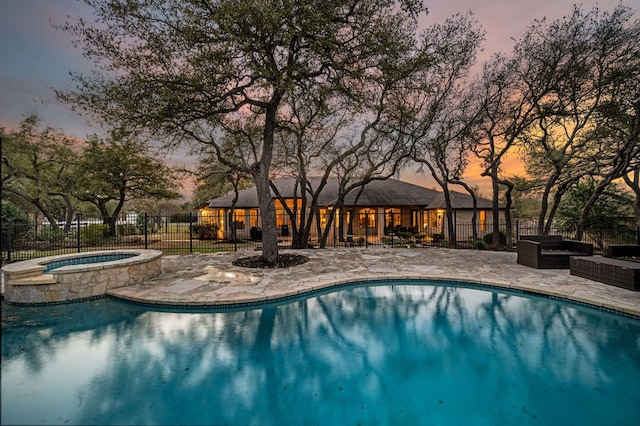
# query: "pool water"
83, 260
389, 354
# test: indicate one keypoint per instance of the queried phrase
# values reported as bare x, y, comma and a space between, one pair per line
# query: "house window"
415, 219
433, 219
367, 218
207, 215
238, 219
392, 219
324, 217
221, 217
253, 217
482, 219
282, 217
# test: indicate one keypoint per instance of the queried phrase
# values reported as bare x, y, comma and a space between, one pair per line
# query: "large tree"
439, 104
186, 69
118, 169
36, 169
581, 74
502, 113
612, 207
356, 143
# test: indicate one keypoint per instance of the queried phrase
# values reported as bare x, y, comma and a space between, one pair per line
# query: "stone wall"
78, 282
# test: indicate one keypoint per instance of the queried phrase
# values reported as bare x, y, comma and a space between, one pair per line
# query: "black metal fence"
192, 233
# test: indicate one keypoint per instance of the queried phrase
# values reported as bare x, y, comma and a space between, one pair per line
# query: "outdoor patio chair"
550, 251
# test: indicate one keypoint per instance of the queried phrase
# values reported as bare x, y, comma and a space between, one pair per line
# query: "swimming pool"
400, 353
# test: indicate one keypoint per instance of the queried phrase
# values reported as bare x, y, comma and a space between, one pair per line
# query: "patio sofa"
620, 267
550, 251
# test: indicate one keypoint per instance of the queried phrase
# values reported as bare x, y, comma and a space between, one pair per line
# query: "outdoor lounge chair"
550, 251
608, 270
624, 251
620, 267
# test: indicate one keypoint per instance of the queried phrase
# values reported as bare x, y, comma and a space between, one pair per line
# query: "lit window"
238, 219
368, 218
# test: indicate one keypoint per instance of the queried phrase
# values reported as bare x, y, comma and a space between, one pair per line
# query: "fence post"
517, 229
638, 235
9, 248
146, 233
393, 230
190, 232
78, 232
366, 230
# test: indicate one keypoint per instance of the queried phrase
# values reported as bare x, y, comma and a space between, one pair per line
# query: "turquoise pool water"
398, 353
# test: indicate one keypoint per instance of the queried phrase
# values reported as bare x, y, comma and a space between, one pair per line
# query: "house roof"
377, 193
391, 193
460, 200
248, 198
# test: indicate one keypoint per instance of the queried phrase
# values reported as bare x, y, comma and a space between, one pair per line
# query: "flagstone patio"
199, 280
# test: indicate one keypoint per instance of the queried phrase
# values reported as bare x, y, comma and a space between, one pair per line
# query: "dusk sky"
35, 57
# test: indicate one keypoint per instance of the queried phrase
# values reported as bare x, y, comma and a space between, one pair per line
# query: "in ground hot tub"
72, 277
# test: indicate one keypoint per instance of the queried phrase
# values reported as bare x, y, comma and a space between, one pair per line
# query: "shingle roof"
248, 198
378, 193
391, 193
459, 200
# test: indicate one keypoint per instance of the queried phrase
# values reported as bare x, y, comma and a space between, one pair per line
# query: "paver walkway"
211, 280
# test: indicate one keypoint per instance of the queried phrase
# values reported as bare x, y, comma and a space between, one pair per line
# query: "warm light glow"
483, 218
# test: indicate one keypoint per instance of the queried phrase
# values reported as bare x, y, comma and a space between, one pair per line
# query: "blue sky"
35, 57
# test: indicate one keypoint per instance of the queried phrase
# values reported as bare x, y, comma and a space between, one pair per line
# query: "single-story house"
382, 208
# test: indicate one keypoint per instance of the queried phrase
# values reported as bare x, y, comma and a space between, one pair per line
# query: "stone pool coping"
37, 265
25, 283
210, 280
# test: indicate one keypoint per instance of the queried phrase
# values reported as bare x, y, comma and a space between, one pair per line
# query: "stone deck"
211, 280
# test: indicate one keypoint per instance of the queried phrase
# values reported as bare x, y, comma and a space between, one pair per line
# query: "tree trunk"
260, 173
495, 205
268, 216
634, 184
451, 229
474, 214
507, 213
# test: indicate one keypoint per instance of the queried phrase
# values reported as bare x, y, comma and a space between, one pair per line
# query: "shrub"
479, 244
94, 233
488, 238
183, 218
436, 238
50, 234
20, 227
127, 229
206, 231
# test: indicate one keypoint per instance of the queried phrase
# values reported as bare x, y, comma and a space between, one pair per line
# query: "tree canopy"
189, 70
120, 168
354, 89
567, 101
37, 169
57, 176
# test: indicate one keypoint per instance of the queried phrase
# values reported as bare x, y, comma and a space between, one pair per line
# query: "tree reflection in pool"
398, 353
